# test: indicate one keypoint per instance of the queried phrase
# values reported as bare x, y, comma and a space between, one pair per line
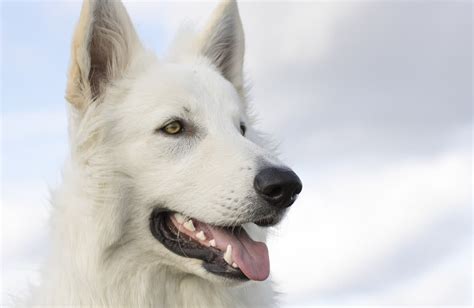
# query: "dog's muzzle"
229, 251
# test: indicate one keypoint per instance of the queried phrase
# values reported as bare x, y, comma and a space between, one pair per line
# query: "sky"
371, 103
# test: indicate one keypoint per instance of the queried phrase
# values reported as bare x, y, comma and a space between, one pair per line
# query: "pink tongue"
249, 255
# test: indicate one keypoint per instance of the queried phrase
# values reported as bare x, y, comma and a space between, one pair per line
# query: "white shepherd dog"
169, 189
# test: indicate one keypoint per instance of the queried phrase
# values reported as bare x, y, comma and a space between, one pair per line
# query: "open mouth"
226, 251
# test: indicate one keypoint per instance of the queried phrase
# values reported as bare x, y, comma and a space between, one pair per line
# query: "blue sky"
33, 86
372, 104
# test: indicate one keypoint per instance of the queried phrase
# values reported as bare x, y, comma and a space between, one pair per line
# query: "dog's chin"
228, 254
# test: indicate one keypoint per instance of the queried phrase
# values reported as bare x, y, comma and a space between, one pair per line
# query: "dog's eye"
173, 128
243, 129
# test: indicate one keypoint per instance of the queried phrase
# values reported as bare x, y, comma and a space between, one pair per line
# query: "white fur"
103, 252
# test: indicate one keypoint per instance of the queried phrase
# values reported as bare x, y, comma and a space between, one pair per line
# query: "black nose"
280, 187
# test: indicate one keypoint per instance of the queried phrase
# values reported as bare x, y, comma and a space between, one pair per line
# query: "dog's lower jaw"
159, 287
79, 272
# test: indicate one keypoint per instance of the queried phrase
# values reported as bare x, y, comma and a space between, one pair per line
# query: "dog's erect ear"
102, 48
222, 41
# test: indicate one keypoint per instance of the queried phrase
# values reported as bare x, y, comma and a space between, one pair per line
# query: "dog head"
169, 146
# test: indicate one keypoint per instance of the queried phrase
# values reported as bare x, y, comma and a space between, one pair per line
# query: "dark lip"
268, 222
214, 263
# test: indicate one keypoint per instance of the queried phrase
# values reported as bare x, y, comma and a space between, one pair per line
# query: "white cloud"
357, 231
20, 126
24, 227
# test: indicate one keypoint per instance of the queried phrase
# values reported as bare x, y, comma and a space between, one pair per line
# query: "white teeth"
234, 265
200, 235
189, 225
179, 218
228, 255
212, 243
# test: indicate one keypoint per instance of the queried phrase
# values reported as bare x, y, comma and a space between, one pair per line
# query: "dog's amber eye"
173, 128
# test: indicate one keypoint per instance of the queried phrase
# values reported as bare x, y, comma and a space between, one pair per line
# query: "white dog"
169, 188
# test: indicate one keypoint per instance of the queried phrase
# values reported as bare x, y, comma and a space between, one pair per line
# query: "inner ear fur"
102, 48
222, 42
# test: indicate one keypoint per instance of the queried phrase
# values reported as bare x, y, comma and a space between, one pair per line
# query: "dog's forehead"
194, 88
